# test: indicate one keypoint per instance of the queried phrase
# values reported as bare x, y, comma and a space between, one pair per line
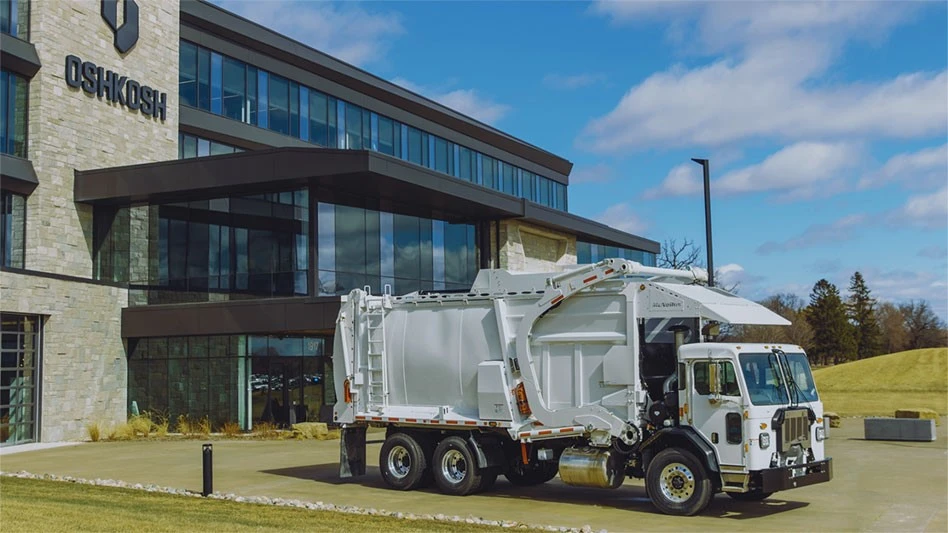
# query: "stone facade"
528, 248
83, 358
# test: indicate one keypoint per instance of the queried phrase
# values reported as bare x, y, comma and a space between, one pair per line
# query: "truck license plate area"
798, 472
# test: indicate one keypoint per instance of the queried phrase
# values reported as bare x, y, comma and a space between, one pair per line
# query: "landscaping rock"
833, 418
929, 414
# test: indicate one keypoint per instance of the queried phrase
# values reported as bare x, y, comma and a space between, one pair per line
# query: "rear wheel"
677, 483
752, 496
402, 462
455, 468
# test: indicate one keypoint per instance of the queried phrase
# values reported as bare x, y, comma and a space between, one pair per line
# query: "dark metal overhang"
19, 56
17, 175
316, 315
340, 176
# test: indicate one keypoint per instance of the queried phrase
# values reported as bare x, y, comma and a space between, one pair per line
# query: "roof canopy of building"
339, 176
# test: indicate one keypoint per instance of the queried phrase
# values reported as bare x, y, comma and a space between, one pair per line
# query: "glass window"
702, 381
12, 229
443, 156
251, 112
387, 136
294, 109
466, 169
527, 185
544, 192
417, 146
509, 185
19, 365
353, 127
304, 112
15, 18
204, 79
763, 378
235, 89
318, 118
13, 109
110, 243
340, 124
559, 196
216, 83
279, 105
489, 173
263, 99
187, 74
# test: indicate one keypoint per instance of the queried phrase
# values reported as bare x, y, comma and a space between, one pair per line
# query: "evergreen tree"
862, 315
833, 340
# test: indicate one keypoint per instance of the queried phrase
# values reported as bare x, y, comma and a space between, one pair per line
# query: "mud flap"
352, 452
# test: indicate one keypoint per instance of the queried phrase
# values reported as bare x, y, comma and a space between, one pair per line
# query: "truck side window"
702, 380
729, 380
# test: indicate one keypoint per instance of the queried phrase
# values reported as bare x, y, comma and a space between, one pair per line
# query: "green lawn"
51, 506
880, 385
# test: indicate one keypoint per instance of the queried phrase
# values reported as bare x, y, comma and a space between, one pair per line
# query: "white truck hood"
670, 300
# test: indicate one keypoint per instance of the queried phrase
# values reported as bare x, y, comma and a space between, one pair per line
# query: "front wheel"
677, 483
752, 496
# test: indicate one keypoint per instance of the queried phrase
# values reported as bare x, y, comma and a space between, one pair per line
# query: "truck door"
718, 416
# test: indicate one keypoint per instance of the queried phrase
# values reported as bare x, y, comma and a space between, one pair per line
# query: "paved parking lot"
878, 486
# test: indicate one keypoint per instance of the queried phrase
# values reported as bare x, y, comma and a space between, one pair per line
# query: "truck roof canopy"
667, 300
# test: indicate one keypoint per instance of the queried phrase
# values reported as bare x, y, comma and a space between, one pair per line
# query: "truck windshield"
765, 380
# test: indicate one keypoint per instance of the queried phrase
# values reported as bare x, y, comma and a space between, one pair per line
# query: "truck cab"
758, 407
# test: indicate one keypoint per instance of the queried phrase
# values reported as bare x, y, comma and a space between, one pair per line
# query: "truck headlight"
820, 433
764, 441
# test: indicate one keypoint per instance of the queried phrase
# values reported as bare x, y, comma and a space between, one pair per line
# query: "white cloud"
922, 169
800, 167
573, 81
925, 210
764, 87
902, 285
732, 276
840, 230
347, 31
801, 170
598, 173
683, 180
466, 101
622, 218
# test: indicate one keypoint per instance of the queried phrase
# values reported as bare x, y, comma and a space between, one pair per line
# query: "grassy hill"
880, 385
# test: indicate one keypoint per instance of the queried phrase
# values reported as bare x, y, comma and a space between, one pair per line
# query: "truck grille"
794, 429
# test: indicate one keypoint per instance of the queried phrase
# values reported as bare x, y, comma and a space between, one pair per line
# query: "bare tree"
678, 256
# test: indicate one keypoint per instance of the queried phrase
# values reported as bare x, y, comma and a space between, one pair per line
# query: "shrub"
122, 432
231, 429
184, 426
160, 424
94, 430
203, 426
141, 425
266, 430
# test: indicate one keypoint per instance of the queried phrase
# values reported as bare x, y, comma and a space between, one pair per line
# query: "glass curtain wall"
364, 247
15, 18
19, 377
247, 379
192, 146
236, 90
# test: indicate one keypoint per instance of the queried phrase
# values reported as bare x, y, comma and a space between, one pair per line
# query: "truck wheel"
752, 496
523, 475
455, 468
677, 483
402, 462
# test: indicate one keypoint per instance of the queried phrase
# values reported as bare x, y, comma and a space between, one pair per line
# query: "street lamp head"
699, 160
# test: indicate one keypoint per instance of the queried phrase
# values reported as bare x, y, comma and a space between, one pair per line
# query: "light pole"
707, 215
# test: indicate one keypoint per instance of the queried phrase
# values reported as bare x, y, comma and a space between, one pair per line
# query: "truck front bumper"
792, 477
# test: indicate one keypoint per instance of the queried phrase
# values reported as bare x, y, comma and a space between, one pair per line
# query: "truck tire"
752, 496
488, 478
402, 462
455, 468
678, 483
523, 475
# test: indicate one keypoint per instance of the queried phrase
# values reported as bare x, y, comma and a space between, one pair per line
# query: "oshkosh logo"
126, 35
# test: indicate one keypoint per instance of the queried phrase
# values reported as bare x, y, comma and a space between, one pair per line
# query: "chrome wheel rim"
399, 462
453, 466
677, 483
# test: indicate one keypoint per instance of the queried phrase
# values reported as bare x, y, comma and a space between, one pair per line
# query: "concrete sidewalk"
885, 486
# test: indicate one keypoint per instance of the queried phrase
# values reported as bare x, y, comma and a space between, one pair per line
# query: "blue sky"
825, 123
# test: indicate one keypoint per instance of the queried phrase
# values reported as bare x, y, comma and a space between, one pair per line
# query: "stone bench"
912, 429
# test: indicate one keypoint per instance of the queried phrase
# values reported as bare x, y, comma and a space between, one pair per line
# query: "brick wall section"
84, 361
528, 248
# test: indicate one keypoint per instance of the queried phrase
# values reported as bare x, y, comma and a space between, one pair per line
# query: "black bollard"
208, 453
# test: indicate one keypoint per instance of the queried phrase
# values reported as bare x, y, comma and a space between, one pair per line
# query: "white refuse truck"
598, 373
